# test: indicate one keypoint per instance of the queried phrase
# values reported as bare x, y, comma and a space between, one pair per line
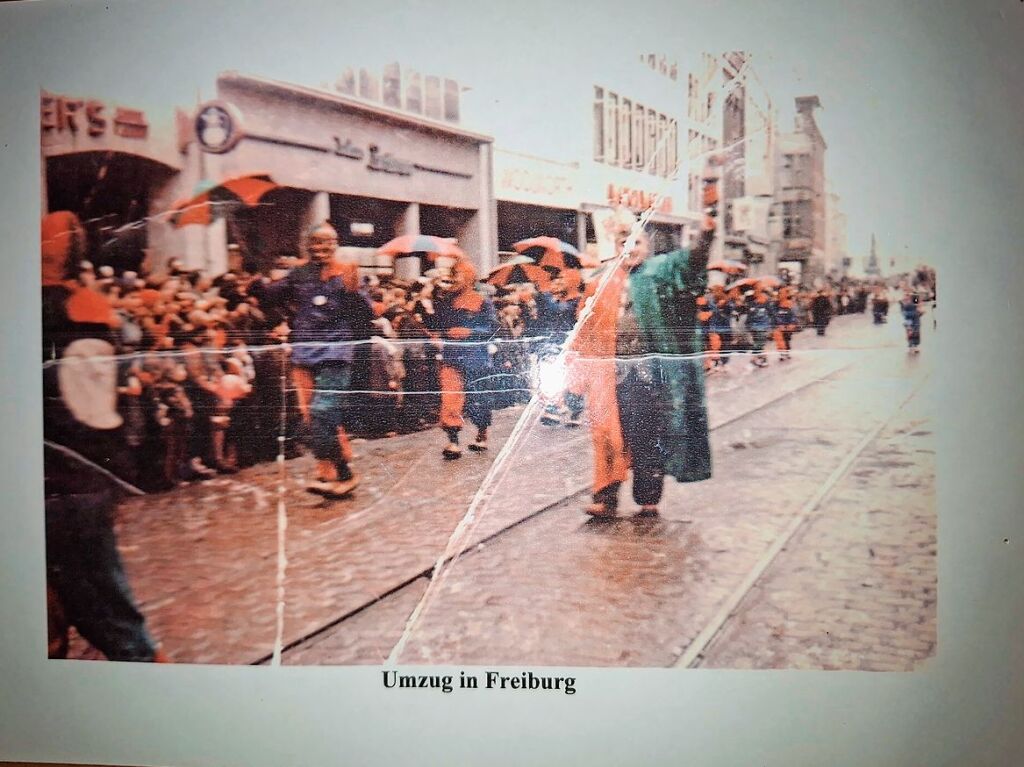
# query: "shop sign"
637, 199
347, 149
387, 163
218, 126
68, 114
520, 178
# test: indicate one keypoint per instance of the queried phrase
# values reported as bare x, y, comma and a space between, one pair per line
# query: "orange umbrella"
198, 209
572, 281
513, 274
411, 244
727, 266
770, 281
553, 252
746, 282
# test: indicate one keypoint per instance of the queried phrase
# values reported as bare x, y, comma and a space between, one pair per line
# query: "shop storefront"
374, 173
536, 197
103, 162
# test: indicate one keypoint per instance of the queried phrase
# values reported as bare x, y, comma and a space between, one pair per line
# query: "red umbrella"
572, 280
727, 266
746, 282
512, 274
553, 252
411, 244
198, 209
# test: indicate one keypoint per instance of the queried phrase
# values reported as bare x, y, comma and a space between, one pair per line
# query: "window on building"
347, 82
625, 133
414, 92
673, 147
791, 220
651, 142
392, 86
598, 124
638, 137
432, 100
611, 129
369, 85
660, 166
451, 101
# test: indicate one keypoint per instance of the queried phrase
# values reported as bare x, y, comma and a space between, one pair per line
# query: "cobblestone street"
758, 566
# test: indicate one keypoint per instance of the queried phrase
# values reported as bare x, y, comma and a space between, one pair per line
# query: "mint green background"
943, 87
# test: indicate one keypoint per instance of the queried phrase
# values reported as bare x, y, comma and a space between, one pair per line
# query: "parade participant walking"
759, 322
326, 315
879, 306
785, 322
704, 313
911, 309
720, 327
86, 583
464, 322
556, 314
821, 311
639, 345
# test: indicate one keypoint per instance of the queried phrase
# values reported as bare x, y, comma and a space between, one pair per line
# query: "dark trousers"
85, 571
328, 411
644, 409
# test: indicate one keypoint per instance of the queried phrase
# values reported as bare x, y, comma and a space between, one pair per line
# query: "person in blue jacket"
720, 327
328, 316
464, 323
911, 309
759, 323
556, 314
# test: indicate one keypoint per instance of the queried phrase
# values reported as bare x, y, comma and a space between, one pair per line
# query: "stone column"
409, 220
319, 210
487, 215
581, 231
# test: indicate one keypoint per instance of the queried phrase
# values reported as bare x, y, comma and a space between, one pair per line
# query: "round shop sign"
218, 126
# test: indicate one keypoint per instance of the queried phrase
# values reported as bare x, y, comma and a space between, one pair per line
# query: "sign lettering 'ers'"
60, 114
218, 126
637, 199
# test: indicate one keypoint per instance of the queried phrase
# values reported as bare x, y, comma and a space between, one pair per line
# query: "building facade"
374, 172
801, 194
608, 137
748, 178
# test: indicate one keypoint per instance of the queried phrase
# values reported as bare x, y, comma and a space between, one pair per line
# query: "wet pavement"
539, 582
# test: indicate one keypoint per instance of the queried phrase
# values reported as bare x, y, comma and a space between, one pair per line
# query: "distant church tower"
872, 269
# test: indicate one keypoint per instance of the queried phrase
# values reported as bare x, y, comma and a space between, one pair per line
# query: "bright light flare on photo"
550, 378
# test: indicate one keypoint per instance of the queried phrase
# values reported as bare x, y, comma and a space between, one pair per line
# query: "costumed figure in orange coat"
640, 354
464, 323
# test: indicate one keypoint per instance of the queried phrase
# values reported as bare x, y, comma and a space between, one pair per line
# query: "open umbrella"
770, 281
413, 244
727, 266
199, 208
746, 282
550, 251
572, 281
513, 274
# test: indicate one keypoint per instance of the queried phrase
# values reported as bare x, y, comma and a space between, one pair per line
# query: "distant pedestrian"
821, 311
911, 309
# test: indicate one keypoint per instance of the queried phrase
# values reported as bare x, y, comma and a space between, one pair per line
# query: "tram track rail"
578, 493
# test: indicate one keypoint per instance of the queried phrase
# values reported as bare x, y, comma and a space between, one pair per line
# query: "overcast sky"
912, 94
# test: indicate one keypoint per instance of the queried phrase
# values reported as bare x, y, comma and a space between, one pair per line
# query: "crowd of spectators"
203, 368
